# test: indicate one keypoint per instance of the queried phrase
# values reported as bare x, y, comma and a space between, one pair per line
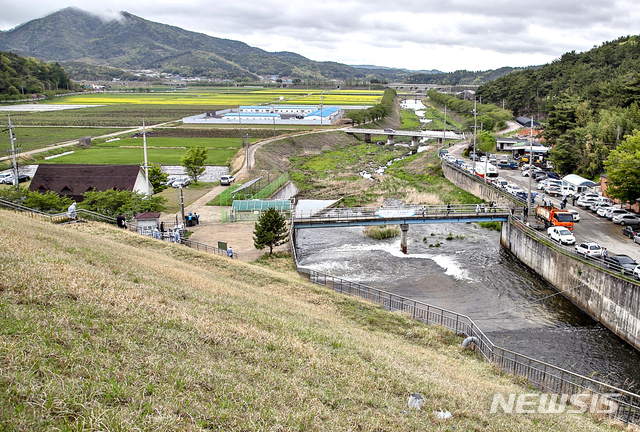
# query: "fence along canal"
543, 376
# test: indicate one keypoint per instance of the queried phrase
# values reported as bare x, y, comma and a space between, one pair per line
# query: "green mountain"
607, 76
21, 77
459, 77
131, 42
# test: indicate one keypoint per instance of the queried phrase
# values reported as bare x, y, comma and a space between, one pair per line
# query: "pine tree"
271, 230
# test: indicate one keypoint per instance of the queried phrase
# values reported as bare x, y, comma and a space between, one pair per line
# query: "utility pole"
146, 164
444, 127
248, 157
530, 165
475, 130
13, 152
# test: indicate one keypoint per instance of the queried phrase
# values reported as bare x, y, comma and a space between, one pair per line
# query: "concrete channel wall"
609, 299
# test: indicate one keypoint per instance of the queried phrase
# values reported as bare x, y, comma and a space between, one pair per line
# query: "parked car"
575, 214
4, 176
561, 235
623, 263
553, 175
615, 211
552, 190
631, 231
600, 208
450, 158
500, 183
636, 272
626, 219
226, 180
585, 201
513, 189
181, 182
589, 250
467, 167
388, 130
21, 179
539, 175
636, 239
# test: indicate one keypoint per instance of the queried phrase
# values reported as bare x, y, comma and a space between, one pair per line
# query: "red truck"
552, 216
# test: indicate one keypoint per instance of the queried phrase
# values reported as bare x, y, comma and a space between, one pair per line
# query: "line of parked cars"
620, 262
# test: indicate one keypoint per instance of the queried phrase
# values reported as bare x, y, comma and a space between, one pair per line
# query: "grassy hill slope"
104, 329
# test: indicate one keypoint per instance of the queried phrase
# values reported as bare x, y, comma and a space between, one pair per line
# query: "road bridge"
403, 216
415, 135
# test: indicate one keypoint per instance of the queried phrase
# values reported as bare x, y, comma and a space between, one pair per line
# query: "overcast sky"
446, 35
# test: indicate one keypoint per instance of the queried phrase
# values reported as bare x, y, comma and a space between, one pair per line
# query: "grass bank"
105, 329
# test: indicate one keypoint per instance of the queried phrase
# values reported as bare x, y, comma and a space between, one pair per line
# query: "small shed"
147, 221
250, 210
576, 183
527, 122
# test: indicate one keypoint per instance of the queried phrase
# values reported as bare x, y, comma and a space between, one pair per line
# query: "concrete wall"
476, 186
611, 300
289, 190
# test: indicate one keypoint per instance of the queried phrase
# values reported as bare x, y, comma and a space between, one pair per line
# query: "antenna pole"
13, 152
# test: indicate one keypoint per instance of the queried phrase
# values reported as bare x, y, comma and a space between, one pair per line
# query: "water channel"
472, 274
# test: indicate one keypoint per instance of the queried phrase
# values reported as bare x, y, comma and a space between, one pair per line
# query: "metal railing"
599, 262
543, 376
408, 212
207, 248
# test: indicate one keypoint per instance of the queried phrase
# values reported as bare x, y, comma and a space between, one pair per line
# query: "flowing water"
472, 274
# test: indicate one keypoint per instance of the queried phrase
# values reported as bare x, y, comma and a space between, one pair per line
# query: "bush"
382, 232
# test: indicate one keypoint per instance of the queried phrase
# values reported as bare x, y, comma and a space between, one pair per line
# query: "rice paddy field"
30, 138
165, 151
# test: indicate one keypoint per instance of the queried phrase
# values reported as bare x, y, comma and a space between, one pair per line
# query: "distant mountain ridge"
131, 42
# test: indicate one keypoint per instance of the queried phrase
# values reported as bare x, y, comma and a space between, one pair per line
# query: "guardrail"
207, 248
543, 376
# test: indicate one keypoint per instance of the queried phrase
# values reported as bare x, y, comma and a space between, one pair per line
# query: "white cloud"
445, 35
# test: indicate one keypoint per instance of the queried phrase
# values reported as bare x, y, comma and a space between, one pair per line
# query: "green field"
165, 151
30, 138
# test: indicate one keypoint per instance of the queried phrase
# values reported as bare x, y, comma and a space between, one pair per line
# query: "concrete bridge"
415, 135
403, 216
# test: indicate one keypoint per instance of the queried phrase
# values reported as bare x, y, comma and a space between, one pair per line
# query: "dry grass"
104, 329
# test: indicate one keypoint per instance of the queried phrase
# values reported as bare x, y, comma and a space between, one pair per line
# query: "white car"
589, 249
636, 272
586, 201
467, 167
450, 158
611, 212
500, 183
602, 209
226, 180
513, 189
575, 214
561, 235
180, 183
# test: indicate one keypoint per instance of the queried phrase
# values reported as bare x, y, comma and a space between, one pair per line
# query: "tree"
114, 202
193, 162
157, 178
271, 230
623, 170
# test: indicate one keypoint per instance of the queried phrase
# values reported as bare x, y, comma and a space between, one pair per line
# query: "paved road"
591, 226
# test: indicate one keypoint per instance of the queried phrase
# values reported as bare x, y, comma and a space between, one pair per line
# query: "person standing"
121, 221
448, 208
71, 213
162, 227
176, 236
230, 252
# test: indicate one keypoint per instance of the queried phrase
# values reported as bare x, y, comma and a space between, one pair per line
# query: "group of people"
193, 219
481, 208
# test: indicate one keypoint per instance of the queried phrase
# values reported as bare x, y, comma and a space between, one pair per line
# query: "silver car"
626, 219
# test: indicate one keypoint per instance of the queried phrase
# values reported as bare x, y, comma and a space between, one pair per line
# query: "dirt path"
238, 235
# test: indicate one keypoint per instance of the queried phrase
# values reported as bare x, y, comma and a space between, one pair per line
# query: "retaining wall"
610, 299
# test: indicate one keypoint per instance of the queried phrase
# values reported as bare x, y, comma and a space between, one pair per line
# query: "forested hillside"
459, 77
607, 76
21, 77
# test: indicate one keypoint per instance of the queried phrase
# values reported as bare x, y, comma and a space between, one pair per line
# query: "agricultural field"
31, 138
165, 151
